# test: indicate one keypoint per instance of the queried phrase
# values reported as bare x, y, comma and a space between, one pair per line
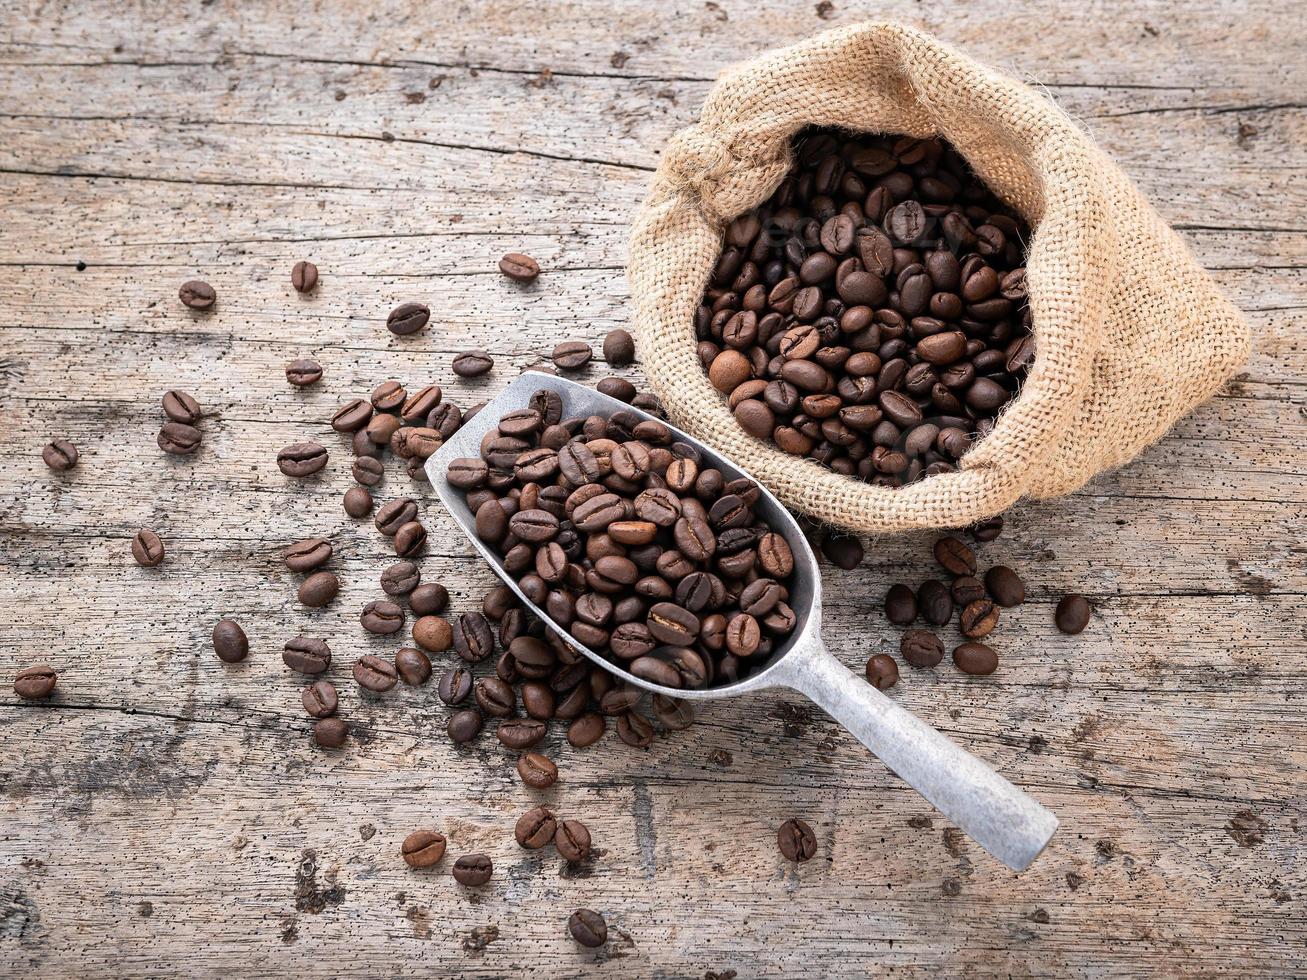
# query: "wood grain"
166, 813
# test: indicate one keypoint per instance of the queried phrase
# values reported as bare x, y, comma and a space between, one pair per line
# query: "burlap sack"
1130, 333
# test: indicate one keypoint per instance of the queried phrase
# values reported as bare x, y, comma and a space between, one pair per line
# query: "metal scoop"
999, 817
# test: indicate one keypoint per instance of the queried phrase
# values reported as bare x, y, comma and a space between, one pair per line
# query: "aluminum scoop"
999, 817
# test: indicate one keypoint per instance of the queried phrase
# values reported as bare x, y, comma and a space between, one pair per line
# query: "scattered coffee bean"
618, 388
494, 697
975, 658
1005, 586
319, 699
966, 589
535, 828
464, 725
181, 407
935, 602
60, 455
197, 294
796, 840
521, 733
428, 599
842, 550
147, 548
303, 372
301, 459
382, 617
394, 514
537, 771
519, 267
455, 685
179, 439
35, 683
586, 730
410, 539
882, 672
572, 841
319, 589
368, 470
306, 555
572, 355
374, 674
619, 348
407, 318
978, 619
358, 502
230, 642
588, 928
921, 648
473, 870
306, 655
423, 848
432, 632
955, 557
472, 364
400, 578
330, 733
414, 666
352, 416
900, 605
986, 530
1072, 614
304, 277
472, 637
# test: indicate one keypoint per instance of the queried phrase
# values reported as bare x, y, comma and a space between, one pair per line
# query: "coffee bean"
428, 599
472, 363
368, 471
473, 870
586, 730
494, 697
796, 840
535, 828
180, 439
407, 318
519, 267
410, 539
635, 730
394, 514
352, 416
400, 578
35, 683
330, 733
181, 407
229, 642
319, 589
1005, 586
986, 530
572, 841
842, 550
432, 632
147, 548
319, 699
423, 848
955, 557
302, 459
978, 619
901, 605
975, 658
935, 602
966, 589
572, 355
1072, 614
375, 674
472, 637
303, 372
306, 655
304, 277
536, 770
60, 455
464, 726
619, 348
882, 672
921, 648
520, 733
588, 928
197, 294
382, 617
455, 685
306, 555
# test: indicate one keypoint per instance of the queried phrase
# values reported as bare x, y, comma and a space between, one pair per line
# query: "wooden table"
168, 813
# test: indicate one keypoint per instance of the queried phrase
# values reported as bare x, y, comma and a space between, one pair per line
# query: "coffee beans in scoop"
631, 542
872, 314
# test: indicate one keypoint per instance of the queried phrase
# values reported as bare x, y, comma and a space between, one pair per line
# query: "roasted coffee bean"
572, 355
796, 840
1072, 614
935, 602
197, 294
536, 770
180, 439
473, 870
330, 733
418, 406
382, 617
572, 841
520, 733
35, 683
535, 828
900, 605
410, 539
432, 632
413, 666
588, 928
319, 699
635, 730
408, 318
304, 277
303, 372
181, 407
147, 548
306, 555
882, 672
473, 639
538, 700
472, 363
400, 578
352, 416
619, 348
382, 428
978, 619
966, 589
842, 550
319, 589
975, 658
428, 599
455, 685
230, 642
586, 730
306, 655
955, 557
921, 648
374, 674
302, 459
986, 530
423, 848
61, 455
463, 726
494, 697
394, 514
368, 471
519, 267
1005, 586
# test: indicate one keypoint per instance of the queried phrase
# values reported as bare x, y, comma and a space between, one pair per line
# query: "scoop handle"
1002, 819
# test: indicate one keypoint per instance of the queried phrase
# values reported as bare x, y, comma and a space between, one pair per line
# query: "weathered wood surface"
167, 813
